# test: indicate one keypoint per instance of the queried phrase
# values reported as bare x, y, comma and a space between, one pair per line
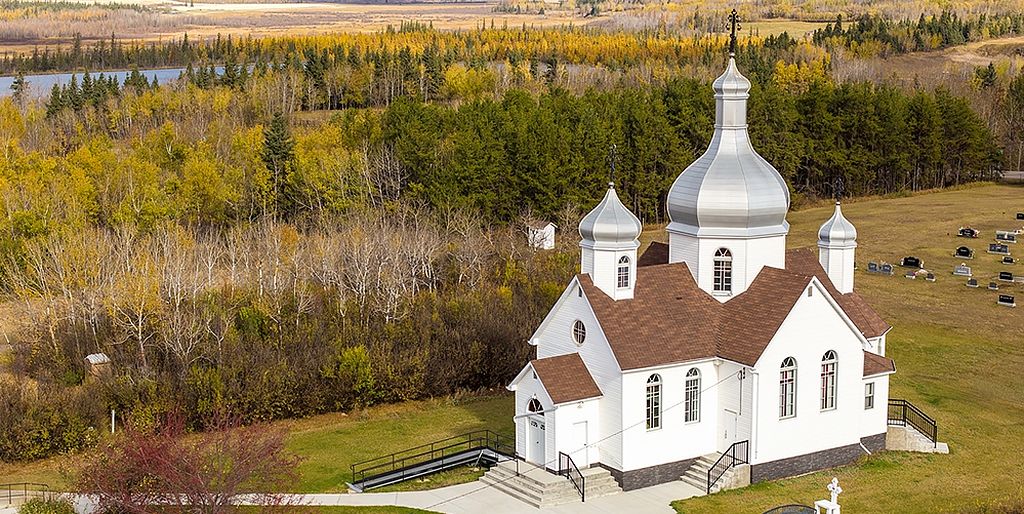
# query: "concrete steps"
697, 474
539, 488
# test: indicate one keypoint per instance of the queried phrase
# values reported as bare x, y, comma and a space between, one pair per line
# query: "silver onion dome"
730, 191
610, 224
837, 231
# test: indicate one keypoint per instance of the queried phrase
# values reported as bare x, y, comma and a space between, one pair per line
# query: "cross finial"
734, 22
612, 158
838, 189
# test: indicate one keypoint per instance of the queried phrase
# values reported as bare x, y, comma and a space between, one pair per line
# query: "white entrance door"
536, 439
580, 436
730, 427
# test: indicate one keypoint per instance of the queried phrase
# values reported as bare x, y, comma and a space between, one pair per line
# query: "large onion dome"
610, 224
837, 231
730, 191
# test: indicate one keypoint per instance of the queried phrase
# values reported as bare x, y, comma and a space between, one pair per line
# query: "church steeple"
728, 209
609, 242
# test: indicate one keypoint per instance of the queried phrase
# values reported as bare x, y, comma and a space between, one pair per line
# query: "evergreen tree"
278, 156
19, 88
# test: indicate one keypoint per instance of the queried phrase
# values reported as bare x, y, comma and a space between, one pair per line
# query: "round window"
579, 332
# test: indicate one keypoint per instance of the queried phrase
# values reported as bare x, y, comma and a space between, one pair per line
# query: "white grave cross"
830, 506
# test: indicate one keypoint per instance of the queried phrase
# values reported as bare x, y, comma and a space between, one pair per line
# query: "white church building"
722, 337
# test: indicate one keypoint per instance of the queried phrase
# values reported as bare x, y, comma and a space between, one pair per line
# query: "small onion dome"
837, 231
730, 190
610, 224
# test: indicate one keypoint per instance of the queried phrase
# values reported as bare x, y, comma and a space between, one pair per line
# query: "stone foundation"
874, 443
807, 463
654, 475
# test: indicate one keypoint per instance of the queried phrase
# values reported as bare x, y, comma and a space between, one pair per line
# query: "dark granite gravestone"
992, 286
1008, 237
1007, 300
1008, 260
998, 249
1020, 215
1006, 276
972, 282
967, 232
872, 267
910, 274
886, 269
930, 277
962, 270
911, 262
964, 253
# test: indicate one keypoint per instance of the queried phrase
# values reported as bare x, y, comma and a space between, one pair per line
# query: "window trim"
530, 404
869, 395
691, 404
787, 388
653, 403
579, 332
624, 265
721, 272
829, 381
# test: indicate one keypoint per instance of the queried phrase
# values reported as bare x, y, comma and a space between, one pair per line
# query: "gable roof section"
668, 320
671, 320
566, 378
753, 317
875, 364
868, 321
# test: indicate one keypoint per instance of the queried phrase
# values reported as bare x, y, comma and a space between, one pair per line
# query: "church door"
581, 438
536, 440
730, 429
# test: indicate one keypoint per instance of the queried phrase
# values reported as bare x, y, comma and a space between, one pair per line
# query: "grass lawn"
959, 356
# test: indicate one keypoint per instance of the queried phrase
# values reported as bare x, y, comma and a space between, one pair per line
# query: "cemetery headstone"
872, 267
930, 277
998, 249
962, 270
992, 286
910, 274
1020, 215
887, 269
911, 262
967, 232
1007, 300
1006, 236
964, 253
1006, 276
1008, 260
972, 282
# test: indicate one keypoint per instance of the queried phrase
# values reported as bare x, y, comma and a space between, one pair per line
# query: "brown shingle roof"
668, 320
656, 253
566, 378
804, 261
671, 320
875, 364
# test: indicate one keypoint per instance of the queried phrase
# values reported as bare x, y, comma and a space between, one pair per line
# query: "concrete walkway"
477, 497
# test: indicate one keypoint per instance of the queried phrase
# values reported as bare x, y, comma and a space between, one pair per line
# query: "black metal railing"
568, 469
903, 413
21, 491
738, 453
405, 459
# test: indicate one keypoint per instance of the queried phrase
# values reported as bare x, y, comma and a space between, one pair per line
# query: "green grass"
459, 475
330, 444
959, 356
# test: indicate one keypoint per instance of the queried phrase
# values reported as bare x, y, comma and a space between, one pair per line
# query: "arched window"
787, 388
723, 271
579, 332
654, 402
534, 405
692, 399
623, 273
829, 363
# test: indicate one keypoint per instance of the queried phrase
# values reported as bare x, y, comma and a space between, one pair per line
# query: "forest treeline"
872, 35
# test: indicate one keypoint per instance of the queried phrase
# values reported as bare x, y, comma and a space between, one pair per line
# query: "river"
40, 85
